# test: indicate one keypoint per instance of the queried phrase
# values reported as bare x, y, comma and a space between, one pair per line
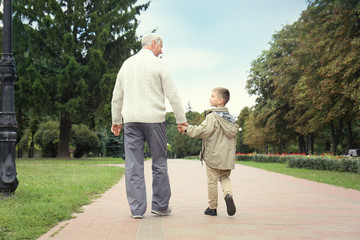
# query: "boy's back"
218, 132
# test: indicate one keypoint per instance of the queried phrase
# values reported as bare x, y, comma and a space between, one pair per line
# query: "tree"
307, 83
242, 118
268, 80
328, 55
68, 53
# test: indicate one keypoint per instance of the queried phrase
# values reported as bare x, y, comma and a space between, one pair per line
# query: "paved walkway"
270, 206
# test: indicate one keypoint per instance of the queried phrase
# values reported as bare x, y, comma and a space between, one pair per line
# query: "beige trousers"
215, 175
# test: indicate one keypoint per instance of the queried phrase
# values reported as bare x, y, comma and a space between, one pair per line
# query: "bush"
84, 140
261, 158
310, 162
244, 157
47, 137
322, 163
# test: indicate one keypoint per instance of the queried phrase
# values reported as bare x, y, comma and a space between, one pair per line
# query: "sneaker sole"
231, 209
161, 213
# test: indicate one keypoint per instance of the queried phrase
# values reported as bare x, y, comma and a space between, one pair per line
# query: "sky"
211, 43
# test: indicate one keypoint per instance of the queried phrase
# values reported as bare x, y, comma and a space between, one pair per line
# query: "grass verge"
50, 191
341, 179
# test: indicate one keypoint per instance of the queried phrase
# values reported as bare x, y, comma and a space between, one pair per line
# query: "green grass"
341, 179
50, 191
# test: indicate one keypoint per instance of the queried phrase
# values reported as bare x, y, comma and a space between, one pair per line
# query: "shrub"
84, 140
243, 157
47, 137
322, 163
261, 158
310, 162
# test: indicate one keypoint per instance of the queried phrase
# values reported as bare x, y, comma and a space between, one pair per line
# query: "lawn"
341, 179
50, 191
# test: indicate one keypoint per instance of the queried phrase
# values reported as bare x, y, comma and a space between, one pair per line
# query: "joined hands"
182, 126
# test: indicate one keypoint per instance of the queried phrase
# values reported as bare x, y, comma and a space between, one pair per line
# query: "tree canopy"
309, 79
68, 53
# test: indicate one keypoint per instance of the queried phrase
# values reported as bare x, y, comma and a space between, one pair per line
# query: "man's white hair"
147, 40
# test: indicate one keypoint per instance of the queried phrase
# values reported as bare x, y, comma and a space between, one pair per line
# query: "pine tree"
68, 53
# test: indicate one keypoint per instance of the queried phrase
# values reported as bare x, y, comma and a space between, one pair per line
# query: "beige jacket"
219, 139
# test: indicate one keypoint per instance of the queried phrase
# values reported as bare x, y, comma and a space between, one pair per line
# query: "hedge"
309, 162
328, 164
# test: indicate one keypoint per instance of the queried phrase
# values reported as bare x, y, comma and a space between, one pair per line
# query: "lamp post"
8, 124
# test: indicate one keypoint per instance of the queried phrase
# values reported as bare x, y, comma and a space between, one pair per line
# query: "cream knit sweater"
140, 89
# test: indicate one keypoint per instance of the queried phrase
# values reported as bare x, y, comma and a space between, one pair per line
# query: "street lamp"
8, 124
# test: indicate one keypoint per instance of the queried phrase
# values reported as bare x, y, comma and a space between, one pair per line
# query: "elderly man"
141, 86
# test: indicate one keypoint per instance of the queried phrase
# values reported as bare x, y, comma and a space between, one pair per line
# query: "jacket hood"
226, 121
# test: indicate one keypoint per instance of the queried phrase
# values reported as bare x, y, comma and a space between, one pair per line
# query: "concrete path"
270, 206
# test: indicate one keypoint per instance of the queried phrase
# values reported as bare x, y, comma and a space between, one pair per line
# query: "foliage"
241, 121
261, 158
307, 84
67, 54
47, 137
341, 164
84, 140
186, 146
321, 163
50, 191
114, 146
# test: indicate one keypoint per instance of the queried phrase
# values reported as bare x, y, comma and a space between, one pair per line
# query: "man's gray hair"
147, 40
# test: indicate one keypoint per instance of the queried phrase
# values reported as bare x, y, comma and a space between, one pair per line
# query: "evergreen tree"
68, 53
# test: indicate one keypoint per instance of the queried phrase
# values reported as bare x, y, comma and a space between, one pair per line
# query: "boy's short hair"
223, 93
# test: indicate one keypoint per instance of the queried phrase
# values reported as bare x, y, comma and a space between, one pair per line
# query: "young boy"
218, 132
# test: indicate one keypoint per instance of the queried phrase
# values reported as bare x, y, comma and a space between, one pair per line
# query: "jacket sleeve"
117, 100
205, 129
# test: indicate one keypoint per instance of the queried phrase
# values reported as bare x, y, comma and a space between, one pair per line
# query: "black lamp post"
8, 124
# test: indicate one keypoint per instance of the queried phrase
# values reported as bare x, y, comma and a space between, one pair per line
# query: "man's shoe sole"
231, 209
162, 213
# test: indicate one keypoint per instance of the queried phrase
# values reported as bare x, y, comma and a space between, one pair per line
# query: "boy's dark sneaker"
231, 209
211, 212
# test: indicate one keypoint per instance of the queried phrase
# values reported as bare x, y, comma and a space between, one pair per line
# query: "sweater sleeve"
172, 94
204, 130
117, 100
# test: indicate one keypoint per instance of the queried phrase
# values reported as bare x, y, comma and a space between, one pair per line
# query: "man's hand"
116, 129
181, 127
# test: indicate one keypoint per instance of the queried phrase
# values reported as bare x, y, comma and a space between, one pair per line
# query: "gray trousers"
136, 134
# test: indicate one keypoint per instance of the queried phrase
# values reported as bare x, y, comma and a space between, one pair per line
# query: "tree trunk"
301, 144
31, 150
64, 141
350, 133
335, 136
310, 143
327, 147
